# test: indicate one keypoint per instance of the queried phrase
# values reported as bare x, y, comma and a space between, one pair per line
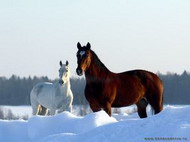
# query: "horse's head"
83, 58
64, 72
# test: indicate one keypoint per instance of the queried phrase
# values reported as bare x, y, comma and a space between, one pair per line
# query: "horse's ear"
67, 63
79, 45
60, 63
88, 46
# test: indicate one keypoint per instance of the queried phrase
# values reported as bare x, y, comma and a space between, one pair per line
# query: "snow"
172, 124
77, 110
17, 110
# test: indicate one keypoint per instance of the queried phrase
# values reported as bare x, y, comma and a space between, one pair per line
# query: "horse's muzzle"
61, 82
79, 71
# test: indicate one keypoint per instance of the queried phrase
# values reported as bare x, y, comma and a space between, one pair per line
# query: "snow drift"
173, 123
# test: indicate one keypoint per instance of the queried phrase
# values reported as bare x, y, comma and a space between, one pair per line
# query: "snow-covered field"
21, 111
172, 124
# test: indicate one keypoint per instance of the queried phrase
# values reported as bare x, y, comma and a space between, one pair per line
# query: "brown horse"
105, 89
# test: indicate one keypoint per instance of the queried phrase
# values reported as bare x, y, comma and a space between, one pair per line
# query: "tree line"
16, 90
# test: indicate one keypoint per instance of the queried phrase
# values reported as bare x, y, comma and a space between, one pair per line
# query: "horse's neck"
97, 70
65, 86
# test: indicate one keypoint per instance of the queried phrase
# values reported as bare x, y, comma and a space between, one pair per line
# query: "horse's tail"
31, 96
162, 103
159, 107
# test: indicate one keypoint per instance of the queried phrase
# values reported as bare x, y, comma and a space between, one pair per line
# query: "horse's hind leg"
141, 108
42, 110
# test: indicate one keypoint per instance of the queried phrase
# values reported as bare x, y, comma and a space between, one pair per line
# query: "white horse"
53, 96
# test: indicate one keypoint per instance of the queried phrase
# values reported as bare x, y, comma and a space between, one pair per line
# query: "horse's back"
150, 80
136, 84
40, 87
145, 77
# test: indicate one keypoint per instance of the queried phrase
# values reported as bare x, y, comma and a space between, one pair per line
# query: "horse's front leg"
70, 102
107, 108
69, 108
94, 105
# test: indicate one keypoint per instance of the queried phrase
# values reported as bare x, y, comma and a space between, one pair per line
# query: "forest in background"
16, 90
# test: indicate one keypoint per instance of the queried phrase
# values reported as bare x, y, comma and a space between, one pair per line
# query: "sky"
125, 34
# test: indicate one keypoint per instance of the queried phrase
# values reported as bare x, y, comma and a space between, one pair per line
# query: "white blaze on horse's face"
82, 53
64, 74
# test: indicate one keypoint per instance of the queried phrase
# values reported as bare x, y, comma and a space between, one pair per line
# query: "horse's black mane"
97, 61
